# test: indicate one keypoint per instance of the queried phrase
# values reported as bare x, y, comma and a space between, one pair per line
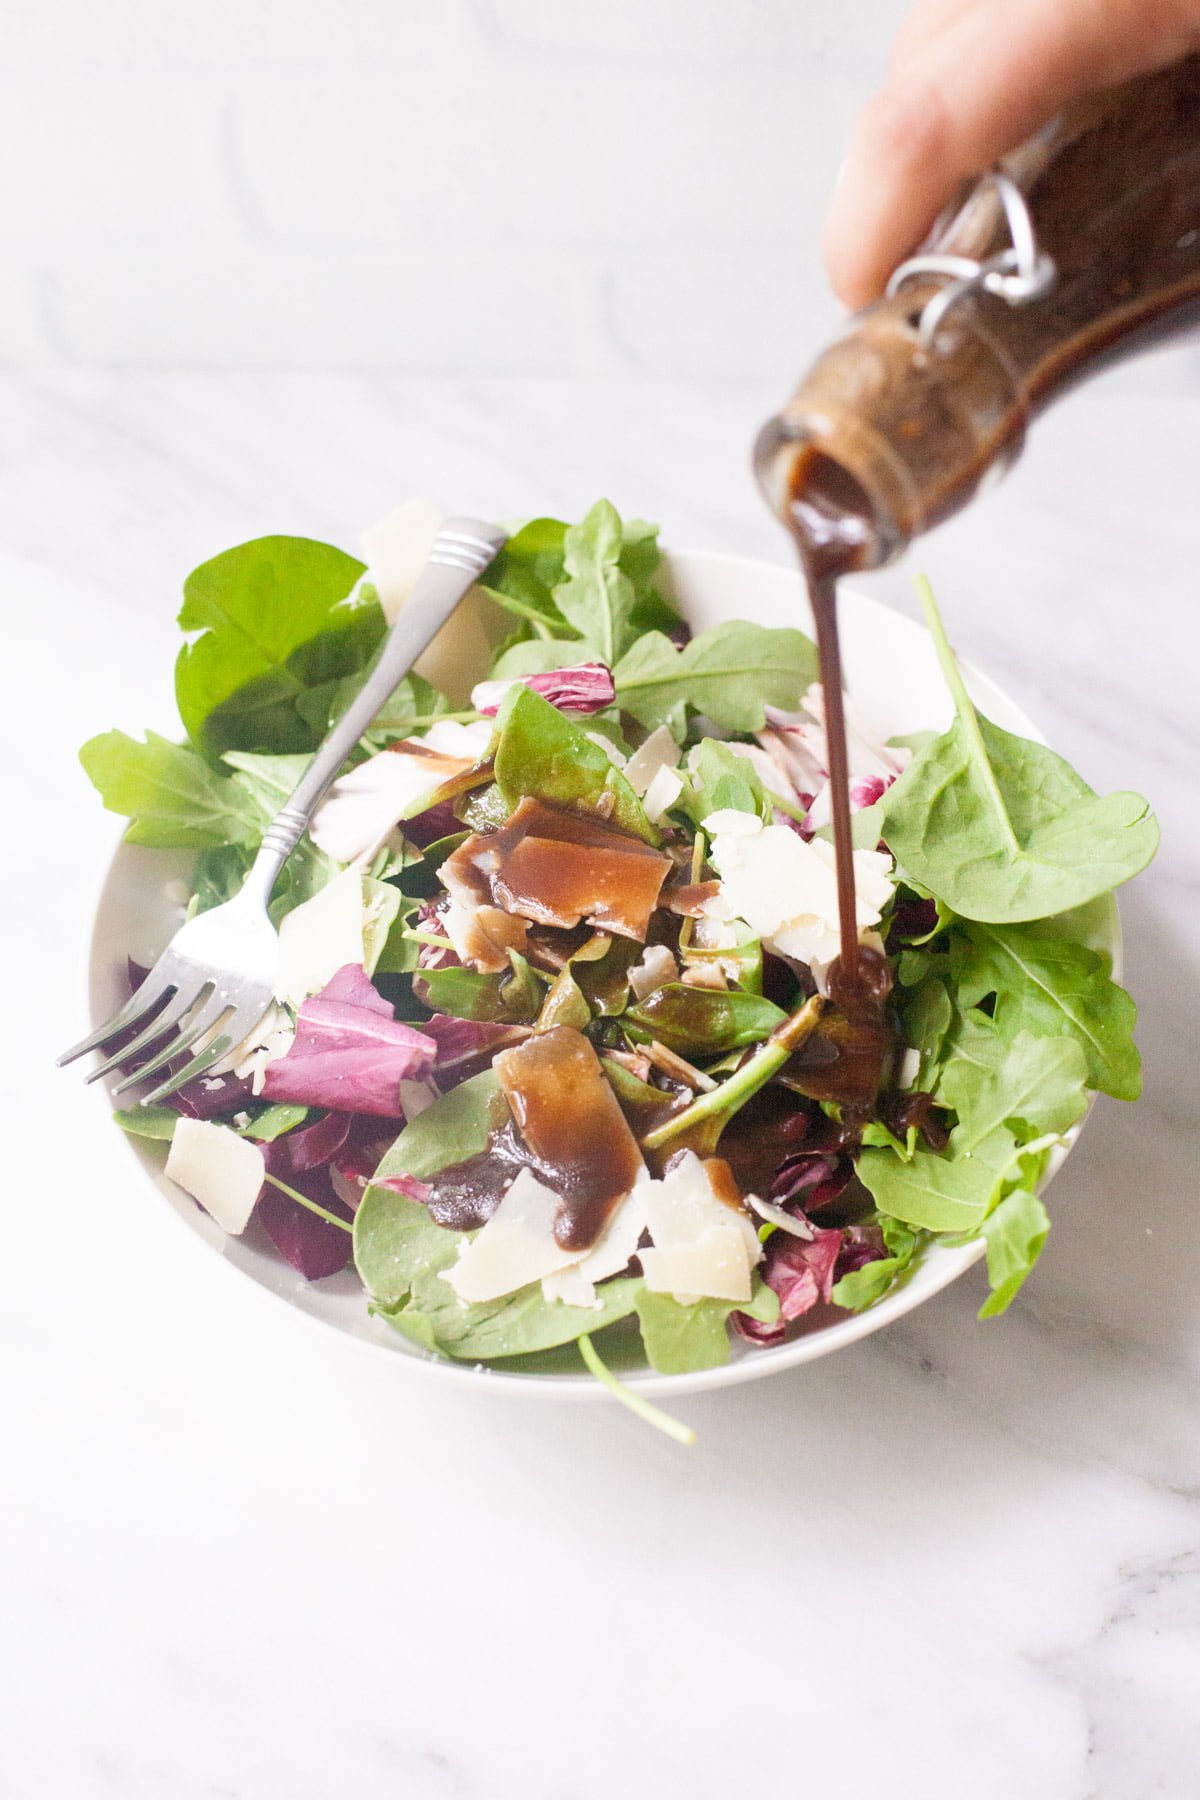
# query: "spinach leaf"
275, 623
518, 1325
455, 1127
1051, 988
413, 704
695, 1021
173, 799
679, 1337
1038, 1083
467, 994
730, 672
1002, 829
1015, 1234
148, 1121
543, 754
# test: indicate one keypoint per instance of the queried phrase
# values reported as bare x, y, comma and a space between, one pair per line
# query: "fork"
218, 971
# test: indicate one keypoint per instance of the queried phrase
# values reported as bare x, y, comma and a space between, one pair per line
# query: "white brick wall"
517, 186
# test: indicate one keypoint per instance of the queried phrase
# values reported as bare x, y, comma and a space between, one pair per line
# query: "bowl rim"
943, 1264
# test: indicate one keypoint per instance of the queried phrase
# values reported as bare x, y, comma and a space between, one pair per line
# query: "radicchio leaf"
349, 1053
801, 1271
582, 688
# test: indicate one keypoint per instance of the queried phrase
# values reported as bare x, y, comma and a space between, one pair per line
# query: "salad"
557, 1052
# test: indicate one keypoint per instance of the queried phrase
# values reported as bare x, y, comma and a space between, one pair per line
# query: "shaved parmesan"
653, 969
778, 1215
662, 794
660, 751
576, 1285
362, 806
319, 937
785, 888
221, 1170
396, 550
515, 1247
702, 1246
909, 1069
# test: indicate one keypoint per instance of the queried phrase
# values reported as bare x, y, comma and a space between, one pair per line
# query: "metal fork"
219, 969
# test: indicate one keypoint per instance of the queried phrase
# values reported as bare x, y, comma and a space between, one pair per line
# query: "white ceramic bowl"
893, 676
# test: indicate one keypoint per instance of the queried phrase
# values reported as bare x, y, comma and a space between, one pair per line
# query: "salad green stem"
718, 1107
651, 1415
303, 1200
963, 706
785, 806
454, 718
426, 937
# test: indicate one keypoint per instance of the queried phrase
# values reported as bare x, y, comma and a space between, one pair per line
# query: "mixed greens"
555, 1052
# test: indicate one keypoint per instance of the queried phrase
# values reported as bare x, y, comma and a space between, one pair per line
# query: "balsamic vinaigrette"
830, 521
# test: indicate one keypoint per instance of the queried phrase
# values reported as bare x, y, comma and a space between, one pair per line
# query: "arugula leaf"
730, 672
542, 753
1015, 1235
275, 623
719, 778
597, 597
926, 1018
1051, 988
862, 1287
523, 576
1037, 1082
679, 1338
1002, 829
933, 1193
696, 1021
536, 656
173, 799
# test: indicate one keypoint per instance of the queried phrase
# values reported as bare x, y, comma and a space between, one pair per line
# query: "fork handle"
462, 550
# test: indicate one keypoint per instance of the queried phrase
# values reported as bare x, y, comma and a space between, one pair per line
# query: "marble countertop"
246, 1560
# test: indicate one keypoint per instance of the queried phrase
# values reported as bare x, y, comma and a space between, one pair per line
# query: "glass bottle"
1085, 241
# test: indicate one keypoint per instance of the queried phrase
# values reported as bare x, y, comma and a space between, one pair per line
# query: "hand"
968, 80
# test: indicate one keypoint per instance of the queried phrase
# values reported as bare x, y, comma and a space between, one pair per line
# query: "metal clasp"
1018, 274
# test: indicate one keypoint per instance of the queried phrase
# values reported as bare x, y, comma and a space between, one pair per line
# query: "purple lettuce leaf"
582, 688
349, 1054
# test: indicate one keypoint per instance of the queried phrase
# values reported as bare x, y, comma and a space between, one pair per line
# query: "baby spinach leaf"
1051, 988
148, 1121
597, 597
730, 672
679, 1338
1037, 1082
1002, 829
696, 1021
455, 1127
468, 994
521, 1324
543, 754
1015, 1234
275, 623
412, 706
172, 798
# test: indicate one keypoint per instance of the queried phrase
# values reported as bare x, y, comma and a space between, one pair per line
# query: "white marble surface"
246, 1559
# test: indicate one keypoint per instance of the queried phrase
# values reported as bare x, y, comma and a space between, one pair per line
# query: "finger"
989, 78
925, 22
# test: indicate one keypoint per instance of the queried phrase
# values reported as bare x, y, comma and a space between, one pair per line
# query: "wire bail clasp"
1018, 274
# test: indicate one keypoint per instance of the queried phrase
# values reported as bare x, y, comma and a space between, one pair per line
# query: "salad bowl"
892, 673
